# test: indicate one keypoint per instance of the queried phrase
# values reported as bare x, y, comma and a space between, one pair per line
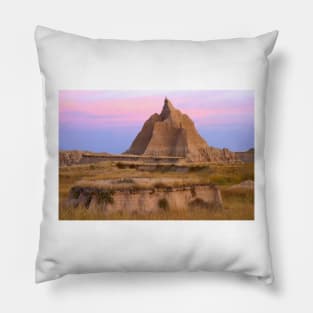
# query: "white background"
289, 156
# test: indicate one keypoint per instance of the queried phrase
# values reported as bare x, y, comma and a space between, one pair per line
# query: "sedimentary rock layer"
146, 200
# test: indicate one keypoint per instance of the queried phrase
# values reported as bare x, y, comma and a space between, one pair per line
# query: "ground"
238, 201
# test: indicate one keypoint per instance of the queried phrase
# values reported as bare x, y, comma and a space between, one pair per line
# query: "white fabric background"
289, 151
72, 62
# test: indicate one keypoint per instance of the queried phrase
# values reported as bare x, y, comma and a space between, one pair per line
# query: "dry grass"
238, 204
240, 212
141, 183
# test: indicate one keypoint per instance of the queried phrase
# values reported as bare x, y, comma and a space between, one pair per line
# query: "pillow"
155, 155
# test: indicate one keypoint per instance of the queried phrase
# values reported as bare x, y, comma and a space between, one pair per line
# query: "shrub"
105, 196
163, 204
193, 191
75, 193
88, 200
120, 165
159, 185
197, 168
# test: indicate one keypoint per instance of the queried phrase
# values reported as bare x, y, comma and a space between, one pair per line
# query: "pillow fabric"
155, 155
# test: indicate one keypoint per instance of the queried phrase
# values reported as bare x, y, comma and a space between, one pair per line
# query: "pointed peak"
168, 108
168, 104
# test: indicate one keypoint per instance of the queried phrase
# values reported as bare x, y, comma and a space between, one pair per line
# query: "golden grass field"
238, 202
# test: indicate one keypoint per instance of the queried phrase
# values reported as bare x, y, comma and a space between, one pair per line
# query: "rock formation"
246, 156
69, 157
246, 184
126, 198
172, 133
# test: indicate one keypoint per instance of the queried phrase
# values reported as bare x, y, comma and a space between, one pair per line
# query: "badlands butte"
168, 172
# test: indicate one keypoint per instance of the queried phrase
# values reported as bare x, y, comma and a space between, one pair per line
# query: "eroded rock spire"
172, 133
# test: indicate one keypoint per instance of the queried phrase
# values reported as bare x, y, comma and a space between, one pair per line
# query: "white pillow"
90, 86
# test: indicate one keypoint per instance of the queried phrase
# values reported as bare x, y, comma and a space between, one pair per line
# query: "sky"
109, 120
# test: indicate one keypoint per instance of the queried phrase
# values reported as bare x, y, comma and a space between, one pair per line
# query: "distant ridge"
172, 133
246, 156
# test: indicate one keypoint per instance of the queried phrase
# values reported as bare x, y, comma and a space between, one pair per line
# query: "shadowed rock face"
172, 133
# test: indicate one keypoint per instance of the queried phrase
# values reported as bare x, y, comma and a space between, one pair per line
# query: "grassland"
238, 202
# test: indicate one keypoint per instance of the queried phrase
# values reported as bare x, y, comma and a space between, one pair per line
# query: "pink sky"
100, 110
